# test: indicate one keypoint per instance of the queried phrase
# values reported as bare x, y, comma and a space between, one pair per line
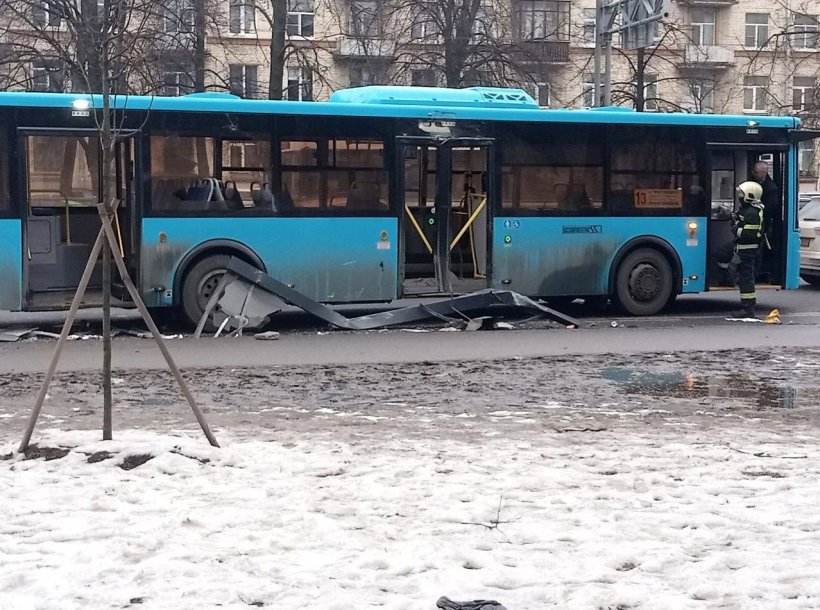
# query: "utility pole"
636, 26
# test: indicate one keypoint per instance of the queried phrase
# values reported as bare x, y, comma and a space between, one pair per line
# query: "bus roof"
477, 103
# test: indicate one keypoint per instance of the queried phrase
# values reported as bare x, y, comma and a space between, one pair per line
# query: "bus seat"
363, 195
284, 200
578, 197
201, 190
233, 197
262, 196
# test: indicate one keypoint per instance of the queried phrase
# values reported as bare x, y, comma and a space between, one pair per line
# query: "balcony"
364, 47
546, 51
709, 3
708, 57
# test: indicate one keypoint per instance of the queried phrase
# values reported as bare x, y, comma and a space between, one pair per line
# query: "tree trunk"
89, 30
106, 197
277, 50
640, 102
200, 32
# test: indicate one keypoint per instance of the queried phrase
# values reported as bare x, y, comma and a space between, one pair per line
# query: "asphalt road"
696, 323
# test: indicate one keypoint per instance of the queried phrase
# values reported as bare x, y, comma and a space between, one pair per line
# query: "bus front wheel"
198, 287
643, 284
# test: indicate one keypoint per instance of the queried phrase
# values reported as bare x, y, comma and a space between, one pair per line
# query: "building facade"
709, 56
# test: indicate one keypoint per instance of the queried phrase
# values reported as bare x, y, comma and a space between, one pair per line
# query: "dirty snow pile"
642, 518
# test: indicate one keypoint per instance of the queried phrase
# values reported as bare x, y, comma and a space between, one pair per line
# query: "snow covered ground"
640, 518
645, 501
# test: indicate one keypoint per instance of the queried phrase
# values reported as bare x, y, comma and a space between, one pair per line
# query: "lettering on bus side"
574, 229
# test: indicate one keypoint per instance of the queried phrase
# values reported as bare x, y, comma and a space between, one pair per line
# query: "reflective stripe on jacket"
748, 230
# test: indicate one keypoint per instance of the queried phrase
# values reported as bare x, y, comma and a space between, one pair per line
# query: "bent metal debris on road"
246, 296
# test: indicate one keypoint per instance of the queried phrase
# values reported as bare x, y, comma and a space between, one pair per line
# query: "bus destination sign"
658, 198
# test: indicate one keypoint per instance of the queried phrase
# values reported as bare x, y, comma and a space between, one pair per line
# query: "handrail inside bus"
418, 228
469, 222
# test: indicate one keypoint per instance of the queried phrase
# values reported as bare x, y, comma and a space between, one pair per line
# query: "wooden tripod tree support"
107, 238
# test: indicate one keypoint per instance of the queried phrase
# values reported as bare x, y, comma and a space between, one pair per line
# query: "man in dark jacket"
773, 212
748, 233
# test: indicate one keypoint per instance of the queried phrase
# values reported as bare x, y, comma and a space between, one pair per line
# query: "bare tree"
103, 46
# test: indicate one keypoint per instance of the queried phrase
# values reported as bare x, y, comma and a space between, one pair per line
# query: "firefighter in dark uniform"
748, 230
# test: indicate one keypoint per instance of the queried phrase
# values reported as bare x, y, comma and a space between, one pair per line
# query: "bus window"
178, 163
62, 172
334, 175
654, 171
245, 172
554, 172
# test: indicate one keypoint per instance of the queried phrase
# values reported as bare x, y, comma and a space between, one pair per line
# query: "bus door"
443, 190
62, 186
731, 165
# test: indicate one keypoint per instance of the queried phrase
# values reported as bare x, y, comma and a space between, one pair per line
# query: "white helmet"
749, 192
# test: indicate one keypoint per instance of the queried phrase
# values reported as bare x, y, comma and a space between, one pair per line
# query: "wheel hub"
207, 287
645, 282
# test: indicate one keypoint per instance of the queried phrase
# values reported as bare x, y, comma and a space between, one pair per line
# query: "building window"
803, 93
703, 96
805, 157
179, 16
244, 80
703, 27
299, 87
424, 24
650, 92
757, 30
242, 17
48, 75
542, 20
423, 78
364, 18
540, 92
754, 93
805, 32
362, 75
176, 83
300, 18
588, 90
483, 25
45, 14
589, 25
543, 94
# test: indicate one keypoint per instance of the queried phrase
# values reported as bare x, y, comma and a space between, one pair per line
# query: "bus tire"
198, 286
644, 282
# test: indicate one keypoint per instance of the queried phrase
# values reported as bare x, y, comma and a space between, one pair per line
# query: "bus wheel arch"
200, 271
645, 276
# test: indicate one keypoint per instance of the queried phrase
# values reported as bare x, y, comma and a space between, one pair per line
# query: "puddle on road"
763, 394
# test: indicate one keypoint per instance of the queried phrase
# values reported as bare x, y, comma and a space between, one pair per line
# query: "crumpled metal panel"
255, 282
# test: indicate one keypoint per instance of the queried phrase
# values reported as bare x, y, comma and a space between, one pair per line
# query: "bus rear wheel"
643, 284
199, 285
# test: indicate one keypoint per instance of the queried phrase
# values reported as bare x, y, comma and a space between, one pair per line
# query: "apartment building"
721, 56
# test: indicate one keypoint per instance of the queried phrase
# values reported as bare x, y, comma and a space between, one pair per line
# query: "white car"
803, 199
809, 218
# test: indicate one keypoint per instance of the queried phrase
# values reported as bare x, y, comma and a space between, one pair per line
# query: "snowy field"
644, 502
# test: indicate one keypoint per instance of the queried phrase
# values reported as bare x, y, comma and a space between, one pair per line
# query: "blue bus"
385, 192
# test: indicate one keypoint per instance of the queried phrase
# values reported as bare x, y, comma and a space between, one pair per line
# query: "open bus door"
444, 188
731, 165
62, 176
